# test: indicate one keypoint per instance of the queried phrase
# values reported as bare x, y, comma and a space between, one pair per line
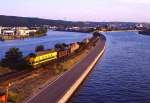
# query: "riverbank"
78, 31
62, 85
145, 32
91, 30
15, 37
120, 31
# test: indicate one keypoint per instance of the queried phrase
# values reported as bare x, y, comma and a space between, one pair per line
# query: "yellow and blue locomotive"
42, 58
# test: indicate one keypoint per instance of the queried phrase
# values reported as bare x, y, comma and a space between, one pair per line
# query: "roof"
44, 52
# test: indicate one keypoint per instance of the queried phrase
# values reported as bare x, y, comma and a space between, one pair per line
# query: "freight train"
41, 58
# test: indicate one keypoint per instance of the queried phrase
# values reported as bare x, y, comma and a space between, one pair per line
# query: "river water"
123, 74
28, 45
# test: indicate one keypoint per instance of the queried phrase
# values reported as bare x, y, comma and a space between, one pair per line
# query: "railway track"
13, 76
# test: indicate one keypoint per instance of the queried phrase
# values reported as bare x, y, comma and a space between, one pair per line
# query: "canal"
28, 45
123, 74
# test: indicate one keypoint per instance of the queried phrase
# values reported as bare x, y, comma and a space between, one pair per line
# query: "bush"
41, 31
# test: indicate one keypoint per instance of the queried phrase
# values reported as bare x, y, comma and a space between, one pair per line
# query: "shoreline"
121, 31
100, 31
10, 38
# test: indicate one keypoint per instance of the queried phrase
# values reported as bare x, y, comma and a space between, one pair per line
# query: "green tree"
39, 48
42, 31
13, 59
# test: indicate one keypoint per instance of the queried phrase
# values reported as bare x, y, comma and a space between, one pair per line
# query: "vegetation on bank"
40, 32
14, 59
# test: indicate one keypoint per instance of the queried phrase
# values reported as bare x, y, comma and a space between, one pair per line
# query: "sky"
79, 10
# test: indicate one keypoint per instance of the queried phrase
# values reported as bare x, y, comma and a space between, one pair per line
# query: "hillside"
28, 21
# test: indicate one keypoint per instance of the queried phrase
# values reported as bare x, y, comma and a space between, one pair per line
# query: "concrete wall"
75, 86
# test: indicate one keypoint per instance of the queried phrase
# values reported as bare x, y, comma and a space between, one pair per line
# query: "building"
76, 28
25, 32
8, 32
20, 32
20, 28
139, 25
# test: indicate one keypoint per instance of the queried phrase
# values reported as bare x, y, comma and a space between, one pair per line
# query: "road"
58, 88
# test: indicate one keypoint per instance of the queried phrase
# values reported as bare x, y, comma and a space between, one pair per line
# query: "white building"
20, 28
76, 28
20, 32
139, 25
8, 32
23, 32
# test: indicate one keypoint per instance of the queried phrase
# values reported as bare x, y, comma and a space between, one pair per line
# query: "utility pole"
7, 92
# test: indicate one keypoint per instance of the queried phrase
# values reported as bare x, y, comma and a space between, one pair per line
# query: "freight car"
41, 58
74, 47
61, 54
